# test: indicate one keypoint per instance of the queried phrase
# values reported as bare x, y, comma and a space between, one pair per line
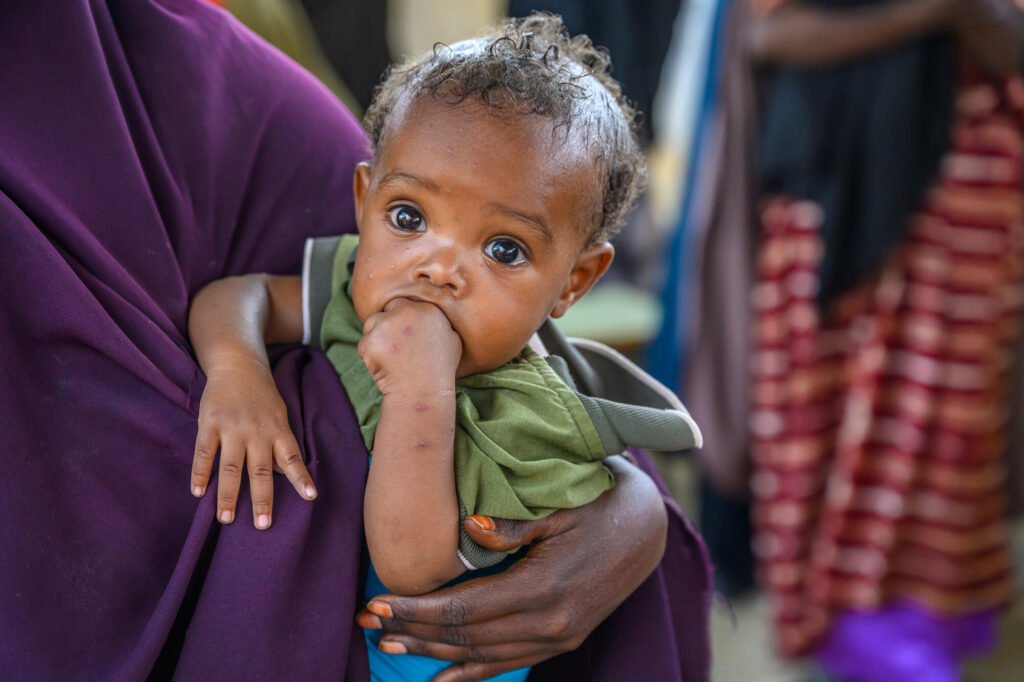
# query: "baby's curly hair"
532, 66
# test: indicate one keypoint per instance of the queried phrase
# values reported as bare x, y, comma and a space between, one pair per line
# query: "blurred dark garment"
636, 33
725, 524
862, 139
285, 25
1015, 471
354, 37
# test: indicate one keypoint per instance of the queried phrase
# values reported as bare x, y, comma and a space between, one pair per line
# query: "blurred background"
827, 268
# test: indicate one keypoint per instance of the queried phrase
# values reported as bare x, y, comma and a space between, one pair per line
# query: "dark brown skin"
549, 601
991, 31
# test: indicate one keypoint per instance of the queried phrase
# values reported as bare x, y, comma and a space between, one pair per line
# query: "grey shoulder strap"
628, 406
317, 269
583, 376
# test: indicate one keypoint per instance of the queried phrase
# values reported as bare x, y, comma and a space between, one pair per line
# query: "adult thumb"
504, 535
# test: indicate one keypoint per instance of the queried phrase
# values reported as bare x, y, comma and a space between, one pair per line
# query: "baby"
501, 168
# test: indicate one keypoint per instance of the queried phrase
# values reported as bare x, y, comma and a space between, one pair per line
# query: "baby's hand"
241, 412
410, 348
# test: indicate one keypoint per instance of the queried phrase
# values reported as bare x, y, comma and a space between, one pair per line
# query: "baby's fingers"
260, 465
207, 442
289, 459
232, 455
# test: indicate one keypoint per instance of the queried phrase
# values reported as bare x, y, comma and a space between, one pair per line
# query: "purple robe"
147, 148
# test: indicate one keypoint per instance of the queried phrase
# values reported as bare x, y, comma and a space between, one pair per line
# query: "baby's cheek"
362, 300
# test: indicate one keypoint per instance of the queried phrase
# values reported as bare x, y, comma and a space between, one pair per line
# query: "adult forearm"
801, 35
992, 31
410, 505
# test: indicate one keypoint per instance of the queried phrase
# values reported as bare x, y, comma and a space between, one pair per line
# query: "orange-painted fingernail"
369, 621
392, 647
380, 608
485, 522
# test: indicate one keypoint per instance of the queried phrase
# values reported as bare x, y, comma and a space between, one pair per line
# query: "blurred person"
887, 302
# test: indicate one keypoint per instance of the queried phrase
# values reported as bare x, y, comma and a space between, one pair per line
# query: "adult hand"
581, 565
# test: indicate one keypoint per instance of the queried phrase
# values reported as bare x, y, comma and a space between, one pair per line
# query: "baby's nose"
443, 268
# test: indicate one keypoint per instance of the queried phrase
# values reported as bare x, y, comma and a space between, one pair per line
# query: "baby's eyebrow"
529, 220
399, 176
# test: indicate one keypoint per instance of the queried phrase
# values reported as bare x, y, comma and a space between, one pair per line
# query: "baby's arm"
410, 507
241, 412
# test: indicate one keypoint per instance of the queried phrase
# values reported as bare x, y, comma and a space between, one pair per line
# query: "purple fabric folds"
147, 149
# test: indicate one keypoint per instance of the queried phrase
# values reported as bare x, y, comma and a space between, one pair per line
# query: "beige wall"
415, 25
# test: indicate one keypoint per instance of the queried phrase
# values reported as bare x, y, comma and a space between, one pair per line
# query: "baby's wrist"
420, 395
236, 363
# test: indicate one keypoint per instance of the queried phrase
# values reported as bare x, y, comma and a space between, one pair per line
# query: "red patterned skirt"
880, 428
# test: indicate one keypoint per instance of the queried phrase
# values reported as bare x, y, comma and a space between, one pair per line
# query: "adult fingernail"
369, 621
226, 516
380, 608
485, 522
310, 492
198, 491
263, 521
392, 647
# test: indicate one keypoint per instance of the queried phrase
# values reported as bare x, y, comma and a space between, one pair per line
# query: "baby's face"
481, 215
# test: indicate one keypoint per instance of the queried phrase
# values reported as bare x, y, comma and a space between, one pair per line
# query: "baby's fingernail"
392, 647
310, 492
263, 521
198, 491
382, 609
485, 522
226, 516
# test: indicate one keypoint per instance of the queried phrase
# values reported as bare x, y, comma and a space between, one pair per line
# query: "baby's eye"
406, 218
505, 251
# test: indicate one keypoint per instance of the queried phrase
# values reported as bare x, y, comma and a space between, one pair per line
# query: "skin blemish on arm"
419, 407
393, 348
421, 443
407, 331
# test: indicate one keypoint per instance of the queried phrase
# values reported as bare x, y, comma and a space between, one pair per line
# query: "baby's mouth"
422, 299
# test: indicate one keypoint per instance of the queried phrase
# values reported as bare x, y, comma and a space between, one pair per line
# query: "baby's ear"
587, 269
360, 184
